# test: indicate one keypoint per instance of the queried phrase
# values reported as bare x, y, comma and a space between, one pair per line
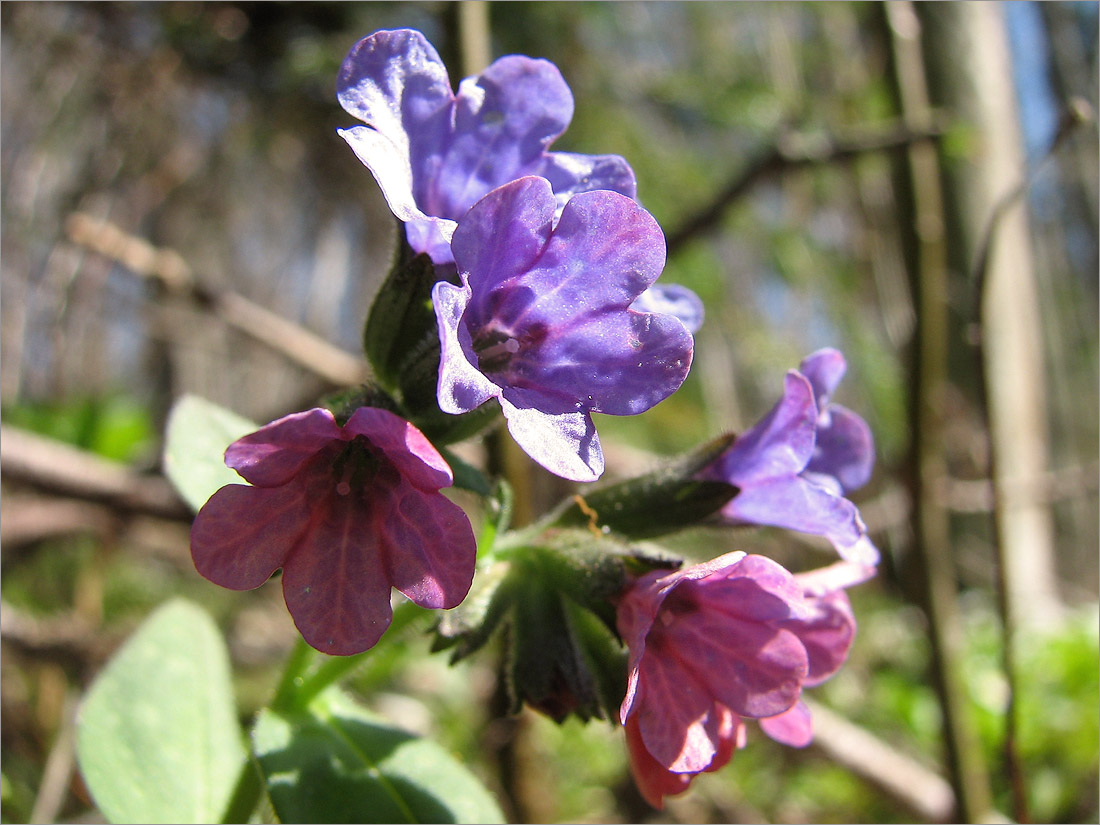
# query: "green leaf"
157, 735
199, 432
336, 762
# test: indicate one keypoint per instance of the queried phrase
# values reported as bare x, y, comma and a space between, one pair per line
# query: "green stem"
246, 793
286, 694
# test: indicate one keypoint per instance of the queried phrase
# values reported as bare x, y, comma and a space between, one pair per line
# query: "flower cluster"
542, 271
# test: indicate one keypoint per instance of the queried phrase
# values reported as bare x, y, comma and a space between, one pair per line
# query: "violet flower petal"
793, 727
781, 444
570, 174
335, 583
554, 433
844, 450
675, 300
395, 82
278, 451
823, 369
504, 120
244, 534
462, 386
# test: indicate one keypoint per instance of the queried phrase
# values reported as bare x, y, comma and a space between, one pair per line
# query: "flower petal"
431, 235
404, 445
500, 238
554, 433
395, 82
845, 448
570, 173
619, 363
793, 727
781, 444
823, 369
429, 547
675, 300
604, 252
244, 534
278, 451
504, 121
462, 386
827, 634
335, 582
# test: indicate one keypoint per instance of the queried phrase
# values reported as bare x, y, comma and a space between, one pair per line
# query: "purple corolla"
793, 466
542, 320
434, 153
711, 644
347, 513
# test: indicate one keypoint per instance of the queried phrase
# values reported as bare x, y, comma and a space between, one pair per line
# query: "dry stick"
1077, 113
68, 471
168, 268
792, 151
922, 791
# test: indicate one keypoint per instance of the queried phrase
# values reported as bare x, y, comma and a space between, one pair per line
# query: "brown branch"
792, 151
65, 470
167, 268
906, 781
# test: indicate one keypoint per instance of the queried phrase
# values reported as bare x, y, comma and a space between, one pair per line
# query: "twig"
59, 468
792, 151
58, 770
167, 268
922, 791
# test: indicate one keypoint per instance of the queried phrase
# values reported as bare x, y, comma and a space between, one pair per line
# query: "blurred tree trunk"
970, 75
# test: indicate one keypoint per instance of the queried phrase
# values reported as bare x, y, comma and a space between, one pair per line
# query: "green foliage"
117, 427
336, 762
157, 737
198, 434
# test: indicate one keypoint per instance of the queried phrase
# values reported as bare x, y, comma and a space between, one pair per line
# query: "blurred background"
914, 184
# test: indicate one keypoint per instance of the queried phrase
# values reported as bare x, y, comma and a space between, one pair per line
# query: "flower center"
494, 349
358, 464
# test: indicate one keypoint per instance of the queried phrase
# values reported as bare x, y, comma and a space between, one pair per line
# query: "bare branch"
167, 268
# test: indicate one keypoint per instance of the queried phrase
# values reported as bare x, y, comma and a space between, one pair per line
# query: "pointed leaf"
336, 762
157, 735
198, 433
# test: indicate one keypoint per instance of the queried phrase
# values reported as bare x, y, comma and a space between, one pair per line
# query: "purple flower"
735, 637
792, 467
347, 512
434, 153
542, 320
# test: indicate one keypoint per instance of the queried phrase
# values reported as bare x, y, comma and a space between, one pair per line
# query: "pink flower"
347, 512
737, 637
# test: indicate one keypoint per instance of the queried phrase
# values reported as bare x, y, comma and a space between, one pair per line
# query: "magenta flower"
737, 637
434, 153
792, 467
542, 320
347, 512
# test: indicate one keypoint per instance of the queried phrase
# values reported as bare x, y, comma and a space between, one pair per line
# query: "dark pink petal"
335, 582
780, 445
277, 452
753, 668
504, 121
679, 719
429, 547
653, 779
554, 433
404, 445
827, 634
793, 727
754, 588
462, 386
244, 534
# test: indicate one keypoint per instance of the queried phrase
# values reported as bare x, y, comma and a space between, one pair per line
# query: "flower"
542, 320
434, 153
792, 467
714, 643
347, 512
